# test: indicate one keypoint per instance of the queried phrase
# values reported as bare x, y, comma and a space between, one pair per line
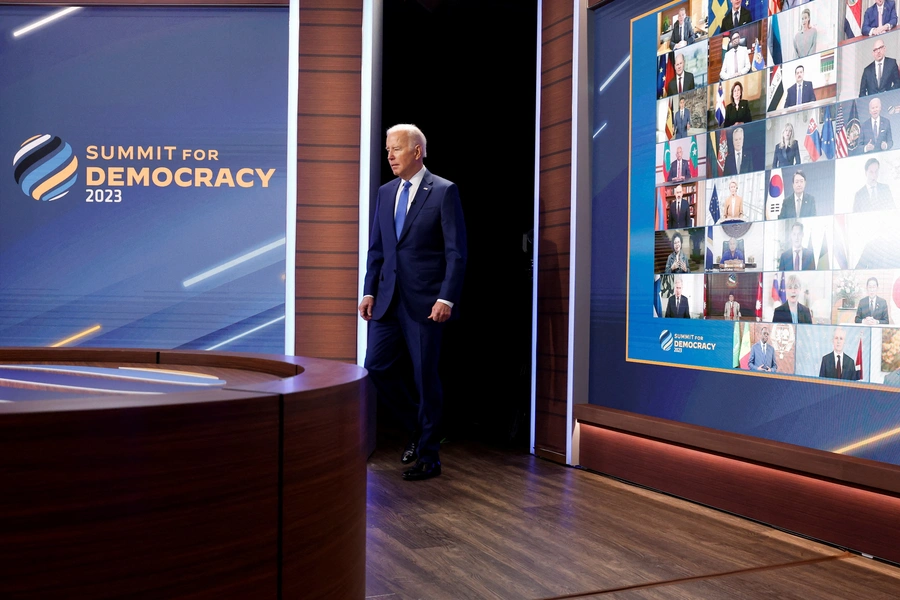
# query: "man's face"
676, 244
872, 289
875, 108
404, 160
798, 74
735, 40
879, 2
793, 292
679, 64
732, 245
731, 297
678, 288
738, 139
839, 340
764, 335
736, 5
681, 103
678, 153
796, 237
878, 50
799, 184
681, 14
679, 192
872, 174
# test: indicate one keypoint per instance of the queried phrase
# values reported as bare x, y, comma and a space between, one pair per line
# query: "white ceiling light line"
46, 20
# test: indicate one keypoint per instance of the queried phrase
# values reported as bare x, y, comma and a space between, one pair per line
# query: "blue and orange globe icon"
45, 167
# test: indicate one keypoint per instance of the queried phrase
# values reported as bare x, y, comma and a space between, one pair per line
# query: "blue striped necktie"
400, 215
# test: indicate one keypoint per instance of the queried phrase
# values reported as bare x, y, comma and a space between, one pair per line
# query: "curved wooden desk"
256, 489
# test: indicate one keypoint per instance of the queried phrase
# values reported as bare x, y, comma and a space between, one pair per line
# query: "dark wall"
463, 71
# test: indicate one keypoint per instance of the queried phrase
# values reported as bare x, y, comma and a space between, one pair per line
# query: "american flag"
840, 137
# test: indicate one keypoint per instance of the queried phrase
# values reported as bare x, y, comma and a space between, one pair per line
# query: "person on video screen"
679, 213
797, 258
738, 110
880, 75
799, 203
682, 32
683, 80
874, 195
805, 39
677, 261
872, 309
736, 61
787, 151
734, 204
732, 252
875, 132
792, 311
732, 310
800, 93
677, 306
682, 120
879, 18
680, 169
836, 364
737, 16
762, 354
738, 161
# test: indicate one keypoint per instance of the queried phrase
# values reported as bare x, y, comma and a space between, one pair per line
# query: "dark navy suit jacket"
888, 15
428, 261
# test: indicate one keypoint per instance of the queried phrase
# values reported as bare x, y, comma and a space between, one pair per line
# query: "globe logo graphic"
666, 339
45, 167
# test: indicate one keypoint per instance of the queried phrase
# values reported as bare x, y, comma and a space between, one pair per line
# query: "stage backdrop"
678, 240
143, 199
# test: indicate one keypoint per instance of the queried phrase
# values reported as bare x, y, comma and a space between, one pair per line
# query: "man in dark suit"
738, 161
879, 18
677, 306
836, 364
872, 309
682, 78
791, 311
737, 16
680, 169
682, 31
679, 210
797, 258
762, 354
805, 202
801, 92
881, 74
875, 132
682, 120
874, 195
414, 277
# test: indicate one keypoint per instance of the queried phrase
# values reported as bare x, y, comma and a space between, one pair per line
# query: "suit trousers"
403, 359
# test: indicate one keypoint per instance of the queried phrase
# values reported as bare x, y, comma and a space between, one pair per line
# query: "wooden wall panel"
328, 134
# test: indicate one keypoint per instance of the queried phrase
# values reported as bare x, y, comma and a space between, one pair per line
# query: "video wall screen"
762, 224
142, 202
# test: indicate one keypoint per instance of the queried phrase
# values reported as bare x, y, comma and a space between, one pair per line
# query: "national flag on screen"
759, 63
657, 300
774, 7
774, 43
840, 135
853, 19
809, 246
709, 248
775, 295
661, 208
775, 196
670, 69
670, 122
828, 135
776, 89
694, 157
840, 242
823, 255
720, 105
859, 358
718, 8
852, 121
781, 293
661, 75
759, 298
745, 347
736, 346
757, 9
813, 142
667, 160
723, 151
714, 205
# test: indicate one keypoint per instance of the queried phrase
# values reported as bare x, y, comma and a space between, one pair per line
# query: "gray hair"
414, 135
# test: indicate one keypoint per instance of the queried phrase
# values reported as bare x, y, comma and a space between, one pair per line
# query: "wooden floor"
505, 524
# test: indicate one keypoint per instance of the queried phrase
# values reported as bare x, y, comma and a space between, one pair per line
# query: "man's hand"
440, 312
365, 307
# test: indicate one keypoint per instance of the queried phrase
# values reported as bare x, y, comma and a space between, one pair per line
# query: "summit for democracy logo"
45, 167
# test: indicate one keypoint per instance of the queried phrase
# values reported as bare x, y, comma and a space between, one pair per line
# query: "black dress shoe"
410, 454
422, 471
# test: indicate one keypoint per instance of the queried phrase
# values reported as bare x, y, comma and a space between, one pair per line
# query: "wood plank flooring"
504, 524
